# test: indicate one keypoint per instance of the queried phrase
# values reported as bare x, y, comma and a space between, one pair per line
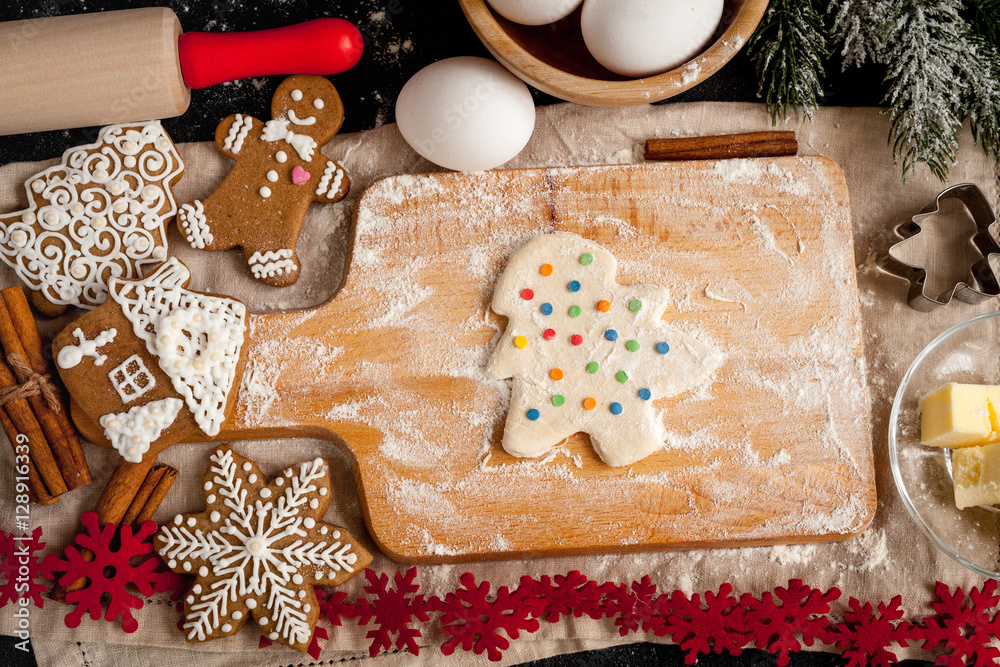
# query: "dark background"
401, 37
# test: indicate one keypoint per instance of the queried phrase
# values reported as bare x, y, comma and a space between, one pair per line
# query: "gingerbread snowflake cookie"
258, 550
279, 172
587, 354
99, 214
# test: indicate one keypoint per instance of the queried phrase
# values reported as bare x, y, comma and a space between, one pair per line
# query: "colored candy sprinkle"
527, 294
621, 376
662, 348
546, 309
574, 311
611, 334
586, 259
521, 342
616, 408
549, 334
573, 286
576, 339
589, 404
604, 306
645, 394
593, 367
534, 414
635, 305
632, 345
558, 400
556, 374
545, 270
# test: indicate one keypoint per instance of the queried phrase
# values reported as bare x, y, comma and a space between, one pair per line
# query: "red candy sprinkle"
527, 294
576, 339
549, 334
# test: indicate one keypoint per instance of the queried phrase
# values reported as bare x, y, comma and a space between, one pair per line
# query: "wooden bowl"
554, 59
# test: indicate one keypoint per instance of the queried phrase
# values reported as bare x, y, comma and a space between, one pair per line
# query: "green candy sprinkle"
558, 400
574, 311
635, 305
632, 345
586, 259
593, 367
621, 376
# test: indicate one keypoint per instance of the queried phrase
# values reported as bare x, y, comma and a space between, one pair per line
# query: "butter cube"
960, 415
976, 474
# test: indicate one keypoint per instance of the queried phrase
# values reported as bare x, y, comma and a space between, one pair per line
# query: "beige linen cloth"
892, 557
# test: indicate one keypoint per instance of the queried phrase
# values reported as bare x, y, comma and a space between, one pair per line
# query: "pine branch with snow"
858, 29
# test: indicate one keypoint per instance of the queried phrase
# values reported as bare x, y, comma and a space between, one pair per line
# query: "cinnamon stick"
24, 422
132, 496
751, 144
66, 449
39, 493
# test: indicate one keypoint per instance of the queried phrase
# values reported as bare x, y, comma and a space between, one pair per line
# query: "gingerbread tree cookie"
153, 349
259, 550
587, 354
99, 214
279, 171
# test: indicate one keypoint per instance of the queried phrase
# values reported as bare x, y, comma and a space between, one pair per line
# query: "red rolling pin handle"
320, 46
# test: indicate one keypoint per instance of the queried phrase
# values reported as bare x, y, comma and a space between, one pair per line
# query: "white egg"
534, 12
466, 113
640, 38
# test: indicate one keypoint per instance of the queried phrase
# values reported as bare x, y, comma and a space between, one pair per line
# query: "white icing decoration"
272, 176
181, 327
131, 378
277, 130
59, 231
318, 103
297, 95
237, 133
308, 120
331, 169
271, 263
132, 432
281, 156
71, 355
618, 439
265, 192
194, 226
257, 550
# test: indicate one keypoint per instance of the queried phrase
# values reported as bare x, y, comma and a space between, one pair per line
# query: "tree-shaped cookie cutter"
985, 284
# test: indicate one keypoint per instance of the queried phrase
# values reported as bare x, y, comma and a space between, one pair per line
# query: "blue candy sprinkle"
534, 414
611, 334
546, 309
616, 408
662, 348
645, 394
574, 286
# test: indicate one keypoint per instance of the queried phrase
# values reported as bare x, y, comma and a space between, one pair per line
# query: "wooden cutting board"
758, 258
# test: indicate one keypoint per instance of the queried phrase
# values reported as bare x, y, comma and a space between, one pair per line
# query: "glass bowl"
968, 353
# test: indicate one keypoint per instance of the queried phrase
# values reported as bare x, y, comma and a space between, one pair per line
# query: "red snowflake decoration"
965, 626
109, 572
865, 634
393, 610
319, 634
802, 611
572, 594
334, 608
17, 553
472, 621
633, 607
717, 626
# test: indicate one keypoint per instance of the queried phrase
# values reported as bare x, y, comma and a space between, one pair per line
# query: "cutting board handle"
321, 46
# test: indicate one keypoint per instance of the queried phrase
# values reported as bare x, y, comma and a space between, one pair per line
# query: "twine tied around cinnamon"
32, 384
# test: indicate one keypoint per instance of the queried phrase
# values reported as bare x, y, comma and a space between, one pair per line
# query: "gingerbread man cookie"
98, 215
259, 550
279, 171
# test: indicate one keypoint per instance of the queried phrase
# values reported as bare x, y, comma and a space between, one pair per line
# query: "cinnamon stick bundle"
38, 412
723, 146
131, 497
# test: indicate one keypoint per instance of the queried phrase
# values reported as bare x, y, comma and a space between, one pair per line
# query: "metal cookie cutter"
985, 284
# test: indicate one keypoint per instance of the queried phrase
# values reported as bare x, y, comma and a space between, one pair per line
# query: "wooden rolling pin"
136, 65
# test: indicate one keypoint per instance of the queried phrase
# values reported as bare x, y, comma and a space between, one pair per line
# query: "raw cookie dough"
587, 354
